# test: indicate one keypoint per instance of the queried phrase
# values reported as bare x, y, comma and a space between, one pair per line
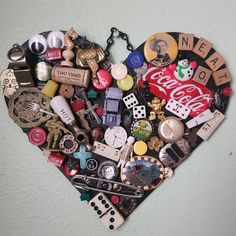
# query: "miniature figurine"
126, 152
55, 128
155, 143
156, 104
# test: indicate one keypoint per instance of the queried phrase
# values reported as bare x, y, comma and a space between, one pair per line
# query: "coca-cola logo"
163, 84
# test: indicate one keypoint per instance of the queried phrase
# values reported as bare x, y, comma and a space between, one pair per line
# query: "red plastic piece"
37, 136
56, 159
227, 91
115, 199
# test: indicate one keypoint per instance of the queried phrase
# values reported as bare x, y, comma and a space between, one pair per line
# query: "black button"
92, 204
107, 205
112, 220
112, 213
111, 227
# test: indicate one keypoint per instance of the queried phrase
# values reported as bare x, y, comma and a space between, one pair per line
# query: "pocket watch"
115, 136
171, 129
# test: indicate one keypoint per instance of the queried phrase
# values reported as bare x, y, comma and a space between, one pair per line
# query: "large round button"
135, 60
160, 49
37, 136
140, 148
104, 80
119, 71
126, 83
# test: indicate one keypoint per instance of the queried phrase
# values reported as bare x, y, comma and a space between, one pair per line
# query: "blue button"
135, 60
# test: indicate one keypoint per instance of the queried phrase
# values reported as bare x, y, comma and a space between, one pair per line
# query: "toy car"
112, 115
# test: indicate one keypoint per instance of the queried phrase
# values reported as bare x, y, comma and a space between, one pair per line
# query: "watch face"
171, 129
115, 136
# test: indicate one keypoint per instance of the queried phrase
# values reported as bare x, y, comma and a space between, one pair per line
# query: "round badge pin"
141, 129
160, 49
126, 83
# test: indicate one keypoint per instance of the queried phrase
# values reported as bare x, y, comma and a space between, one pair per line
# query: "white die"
139, 112
130, 100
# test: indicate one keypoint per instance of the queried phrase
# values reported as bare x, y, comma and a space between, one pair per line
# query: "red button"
37, 136
100, 111
104, 79
115, 199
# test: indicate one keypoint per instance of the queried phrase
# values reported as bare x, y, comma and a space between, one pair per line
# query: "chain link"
115, 33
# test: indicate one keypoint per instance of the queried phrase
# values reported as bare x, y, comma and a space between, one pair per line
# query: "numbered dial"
171, 129
115, 136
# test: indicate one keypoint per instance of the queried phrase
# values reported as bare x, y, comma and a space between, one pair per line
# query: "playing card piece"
130, 100
178, 109
209, 127
203, 117
139, 112
108, 214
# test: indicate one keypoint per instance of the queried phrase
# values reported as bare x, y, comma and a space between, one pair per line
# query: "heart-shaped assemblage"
116, 131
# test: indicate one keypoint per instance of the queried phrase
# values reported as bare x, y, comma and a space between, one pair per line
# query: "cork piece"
215, 61
72, 76
202, 48
186, 42
221, 76
202, 75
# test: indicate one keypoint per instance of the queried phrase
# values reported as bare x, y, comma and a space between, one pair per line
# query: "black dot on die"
107, 205
92, 204
142, 108
103, 201
135, 108
99, 212
95, 208
131, 96
112, 220
139, 112
112, 213
100, 198
111, 227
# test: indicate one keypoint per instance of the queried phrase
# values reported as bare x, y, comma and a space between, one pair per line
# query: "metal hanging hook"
115, 33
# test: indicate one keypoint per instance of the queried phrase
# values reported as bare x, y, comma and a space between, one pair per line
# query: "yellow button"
140, 147
126, 83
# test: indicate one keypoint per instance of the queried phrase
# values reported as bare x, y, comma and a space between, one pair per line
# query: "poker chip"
119, 71
126, 83
37, 136
135, 60
145, 172
127, 205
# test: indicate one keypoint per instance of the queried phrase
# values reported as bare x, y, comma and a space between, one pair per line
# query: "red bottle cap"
37, 136
104, 79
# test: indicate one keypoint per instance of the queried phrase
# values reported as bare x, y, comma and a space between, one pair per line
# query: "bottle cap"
126, 83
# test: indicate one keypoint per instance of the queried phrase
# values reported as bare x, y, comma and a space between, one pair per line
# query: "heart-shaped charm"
116, 131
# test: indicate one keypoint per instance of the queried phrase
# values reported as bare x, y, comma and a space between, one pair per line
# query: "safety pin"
137, 192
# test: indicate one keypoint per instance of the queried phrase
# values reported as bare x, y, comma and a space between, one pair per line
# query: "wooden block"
202, 75
215, 61
221, 76
186, 42
202, 48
